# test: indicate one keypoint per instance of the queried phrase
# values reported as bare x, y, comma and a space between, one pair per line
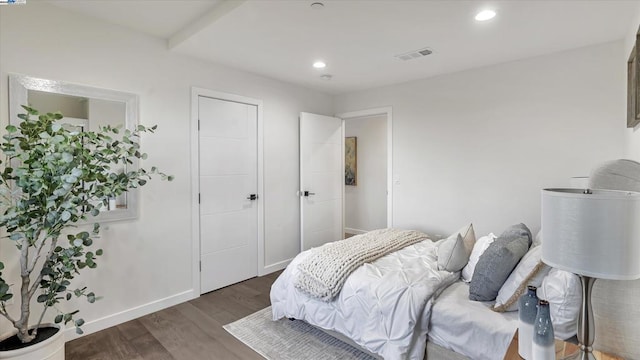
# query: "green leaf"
67, 158
42, 298
68, 296
11, 129
79, 322
99, 252
58, 319
79, 331
30, 110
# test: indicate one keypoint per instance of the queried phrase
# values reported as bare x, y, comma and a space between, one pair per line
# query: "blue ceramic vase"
543, 347
527, 311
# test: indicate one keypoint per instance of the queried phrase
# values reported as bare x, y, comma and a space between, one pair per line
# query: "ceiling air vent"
414, 54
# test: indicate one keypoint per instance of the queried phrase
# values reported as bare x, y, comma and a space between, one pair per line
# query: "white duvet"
384, 306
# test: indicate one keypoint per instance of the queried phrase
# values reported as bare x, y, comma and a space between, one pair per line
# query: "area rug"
290, 340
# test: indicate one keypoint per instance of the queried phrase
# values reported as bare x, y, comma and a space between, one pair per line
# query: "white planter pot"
50, 349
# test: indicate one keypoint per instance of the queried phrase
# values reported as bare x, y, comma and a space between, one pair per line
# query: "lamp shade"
595, 234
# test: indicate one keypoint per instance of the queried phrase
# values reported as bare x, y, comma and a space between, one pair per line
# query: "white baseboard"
130, 314
274, 267
118, 318
354, 231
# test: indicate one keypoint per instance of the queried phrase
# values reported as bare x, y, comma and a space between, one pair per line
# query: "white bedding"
469, 327
384, 306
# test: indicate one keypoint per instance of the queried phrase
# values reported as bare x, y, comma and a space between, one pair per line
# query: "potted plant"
53, 178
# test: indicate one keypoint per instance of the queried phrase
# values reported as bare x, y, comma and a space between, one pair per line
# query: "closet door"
228, 192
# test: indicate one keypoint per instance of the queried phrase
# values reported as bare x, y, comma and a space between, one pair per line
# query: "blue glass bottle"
527, 311
543, 347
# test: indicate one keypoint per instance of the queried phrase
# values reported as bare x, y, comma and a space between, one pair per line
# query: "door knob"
252, 197
306, 193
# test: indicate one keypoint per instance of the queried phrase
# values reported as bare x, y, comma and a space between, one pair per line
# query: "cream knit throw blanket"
322, 274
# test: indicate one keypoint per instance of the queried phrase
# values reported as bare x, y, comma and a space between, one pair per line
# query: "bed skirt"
433, 352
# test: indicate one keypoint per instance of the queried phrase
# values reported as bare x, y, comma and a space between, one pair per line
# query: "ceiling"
358, 40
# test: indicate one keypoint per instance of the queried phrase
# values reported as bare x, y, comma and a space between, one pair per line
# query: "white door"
228, 192
321, 179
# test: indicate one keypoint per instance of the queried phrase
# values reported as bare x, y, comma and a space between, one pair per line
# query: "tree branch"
5, 313
36, 283
25, 294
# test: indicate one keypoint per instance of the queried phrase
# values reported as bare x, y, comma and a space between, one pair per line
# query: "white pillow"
563, 291
508, 293
538, 239
452, 255
478, 248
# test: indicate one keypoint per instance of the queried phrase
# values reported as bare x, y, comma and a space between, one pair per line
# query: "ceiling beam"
221, 9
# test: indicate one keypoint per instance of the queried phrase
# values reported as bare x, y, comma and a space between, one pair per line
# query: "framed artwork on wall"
633, 87
351, 161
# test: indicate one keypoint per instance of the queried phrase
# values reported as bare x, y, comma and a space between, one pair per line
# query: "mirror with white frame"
84, 108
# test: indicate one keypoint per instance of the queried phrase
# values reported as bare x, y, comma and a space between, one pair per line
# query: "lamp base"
586, 329
580, 355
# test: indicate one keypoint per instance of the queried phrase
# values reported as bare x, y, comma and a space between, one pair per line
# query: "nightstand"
564, 350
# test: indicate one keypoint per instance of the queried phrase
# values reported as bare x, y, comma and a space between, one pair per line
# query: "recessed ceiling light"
317, 6
319, 64
485, 15
326, 77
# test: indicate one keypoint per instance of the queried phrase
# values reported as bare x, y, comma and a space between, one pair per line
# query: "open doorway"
367, 190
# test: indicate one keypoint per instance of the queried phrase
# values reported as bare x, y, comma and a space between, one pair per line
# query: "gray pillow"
498, 261
452, 255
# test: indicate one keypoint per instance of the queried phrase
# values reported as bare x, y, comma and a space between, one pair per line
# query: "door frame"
388, 112
196, 92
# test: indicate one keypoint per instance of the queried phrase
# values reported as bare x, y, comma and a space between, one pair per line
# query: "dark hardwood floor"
190, 331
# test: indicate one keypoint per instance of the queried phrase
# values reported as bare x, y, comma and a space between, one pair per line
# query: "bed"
413, 303
388, 307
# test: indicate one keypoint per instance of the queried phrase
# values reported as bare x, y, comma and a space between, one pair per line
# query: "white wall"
477, 146
148, 262
366, 203
632, 135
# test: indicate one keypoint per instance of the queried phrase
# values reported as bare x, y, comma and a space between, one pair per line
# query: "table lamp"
596, 235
